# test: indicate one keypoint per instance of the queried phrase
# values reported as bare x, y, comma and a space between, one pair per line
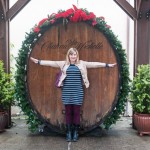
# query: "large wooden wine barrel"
100, 98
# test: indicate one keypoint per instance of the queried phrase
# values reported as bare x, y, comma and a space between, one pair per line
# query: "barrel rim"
33, 36
55, 128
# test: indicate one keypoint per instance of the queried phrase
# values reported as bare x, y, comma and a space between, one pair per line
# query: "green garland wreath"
70, 15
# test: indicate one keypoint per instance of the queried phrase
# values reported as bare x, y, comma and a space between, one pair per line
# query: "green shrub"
140, 90
6, 89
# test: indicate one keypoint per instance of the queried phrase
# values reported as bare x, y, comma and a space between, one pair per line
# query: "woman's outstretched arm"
57, 64
36, 61
111, 65
98, 64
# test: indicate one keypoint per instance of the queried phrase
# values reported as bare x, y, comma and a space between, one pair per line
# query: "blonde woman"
74, 75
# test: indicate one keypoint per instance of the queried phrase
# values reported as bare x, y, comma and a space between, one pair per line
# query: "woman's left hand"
112, 65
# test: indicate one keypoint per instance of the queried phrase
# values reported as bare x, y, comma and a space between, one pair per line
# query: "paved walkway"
120, 137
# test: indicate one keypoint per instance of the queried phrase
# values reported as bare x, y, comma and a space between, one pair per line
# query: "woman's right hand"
34, 60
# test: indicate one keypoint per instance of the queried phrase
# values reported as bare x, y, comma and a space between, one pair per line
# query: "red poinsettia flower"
75, 7
67, 13
36, 29
77, 16
84, 15
74, 14
91, 15
59, 15
52, 21
94, 23
42, 21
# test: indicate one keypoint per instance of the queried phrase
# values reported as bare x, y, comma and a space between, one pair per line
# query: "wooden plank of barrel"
100, 98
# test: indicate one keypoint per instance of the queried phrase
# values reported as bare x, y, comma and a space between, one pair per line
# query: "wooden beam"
4, 8
127, 8
138, 6
16, 8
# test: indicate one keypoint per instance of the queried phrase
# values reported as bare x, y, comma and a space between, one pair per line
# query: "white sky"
36, 10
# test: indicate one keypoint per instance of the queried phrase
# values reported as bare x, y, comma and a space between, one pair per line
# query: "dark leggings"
72, 114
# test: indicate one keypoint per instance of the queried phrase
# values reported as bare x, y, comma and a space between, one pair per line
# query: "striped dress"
72, 90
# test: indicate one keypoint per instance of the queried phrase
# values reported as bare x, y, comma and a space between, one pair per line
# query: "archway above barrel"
48, 40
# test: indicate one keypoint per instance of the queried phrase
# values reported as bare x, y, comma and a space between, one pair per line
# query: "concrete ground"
120, 137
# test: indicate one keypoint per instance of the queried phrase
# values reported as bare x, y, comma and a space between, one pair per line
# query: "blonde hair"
70, 51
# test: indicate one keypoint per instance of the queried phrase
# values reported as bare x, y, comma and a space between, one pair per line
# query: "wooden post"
4, 35
142, 36
4, 43
6, 15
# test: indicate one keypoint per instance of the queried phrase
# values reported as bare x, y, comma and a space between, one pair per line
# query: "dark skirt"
72, 90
